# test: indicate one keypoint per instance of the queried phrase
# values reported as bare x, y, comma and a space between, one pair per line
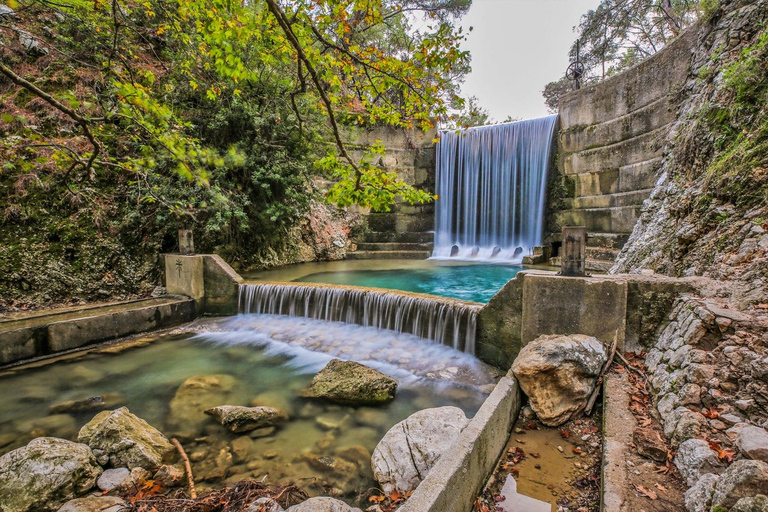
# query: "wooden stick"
630, 367
187, 467
596, 391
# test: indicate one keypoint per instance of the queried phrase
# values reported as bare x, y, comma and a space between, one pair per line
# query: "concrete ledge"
618, 425
49, 334
457, 478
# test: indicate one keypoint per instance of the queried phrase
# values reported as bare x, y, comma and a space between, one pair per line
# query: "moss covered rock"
44, 474
351, 383
244, 419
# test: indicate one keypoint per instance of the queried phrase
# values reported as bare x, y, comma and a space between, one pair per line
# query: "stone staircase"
381, 245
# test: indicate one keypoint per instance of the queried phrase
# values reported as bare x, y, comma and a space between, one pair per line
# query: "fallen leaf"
646, 492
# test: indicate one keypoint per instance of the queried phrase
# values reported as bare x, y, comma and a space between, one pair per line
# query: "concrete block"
221, 284
499, 323
639, 176
184, 275
21, 344
458, 477
555, 304
631, 151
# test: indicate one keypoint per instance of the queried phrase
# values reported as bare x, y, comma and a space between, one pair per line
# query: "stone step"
619, 199
422, 237
389, 255
601, 220
393, 246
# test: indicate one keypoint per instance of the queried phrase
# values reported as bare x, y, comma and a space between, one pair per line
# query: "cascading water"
444, 321
491, 184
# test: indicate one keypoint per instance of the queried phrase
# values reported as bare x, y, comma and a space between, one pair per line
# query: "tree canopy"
620, 33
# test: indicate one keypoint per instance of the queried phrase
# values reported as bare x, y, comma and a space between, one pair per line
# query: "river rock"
758, 503
265, 505
193, 397
128, 440
699, 497
113, 478
351, 383
92, 404
411, 448
239, 419
743, 479
322, 504
170, 475
753, 443
47, 472
694, 458
558, 374
95, 504
650, 443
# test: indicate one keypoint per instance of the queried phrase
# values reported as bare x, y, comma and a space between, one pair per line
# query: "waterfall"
445, 321
491, 182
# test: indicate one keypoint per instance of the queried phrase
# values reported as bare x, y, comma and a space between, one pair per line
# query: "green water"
458, 280
266, 360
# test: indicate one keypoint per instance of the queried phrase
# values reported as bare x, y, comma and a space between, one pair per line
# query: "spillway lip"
369, 289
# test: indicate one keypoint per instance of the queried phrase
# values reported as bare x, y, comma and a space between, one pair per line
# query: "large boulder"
193, 397
743, 479
239, 419
558, 374
322, 504
411, 448
47, 472
126, 439
351, 383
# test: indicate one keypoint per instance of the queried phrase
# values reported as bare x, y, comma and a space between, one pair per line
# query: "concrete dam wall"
610, 146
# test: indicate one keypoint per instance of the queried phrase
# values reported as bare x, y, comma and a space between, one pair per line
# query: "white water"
491, 183
449, 323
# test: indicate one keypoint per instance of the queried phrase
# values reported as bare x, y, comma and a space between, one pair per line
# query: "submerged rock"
322, 504
351, 383
128, 440
410, 449
193, 397
92, 404
558, 374
239, 419
44, 474
95, 504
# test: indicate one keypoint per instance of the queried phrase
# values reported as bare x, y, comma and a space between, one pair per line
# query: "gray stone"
6, 13
44, 474
322, 504
127, 439
695, 458
699, 497
743, 479
113, 478
351, 383
753, 443
95, 504
758, 503
683, 424
239, 419
558, 374
407, 452
265, 505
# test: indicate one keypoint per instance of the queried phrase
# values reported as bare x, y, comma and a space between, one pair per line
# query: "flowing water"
474, 282
446, 322
258, 360
491, 183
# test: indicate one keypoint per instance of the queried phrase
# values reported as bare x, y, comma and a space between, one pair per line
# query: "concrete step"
601, 220
393, 246
619, 199
422, 237
389, 255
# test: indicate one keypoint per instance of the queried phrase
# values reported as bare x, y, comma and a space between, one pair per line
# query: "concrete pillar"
184, 275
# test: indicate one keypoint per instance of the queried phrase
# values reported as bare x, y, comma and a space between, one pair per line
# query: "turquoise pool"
459, 280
